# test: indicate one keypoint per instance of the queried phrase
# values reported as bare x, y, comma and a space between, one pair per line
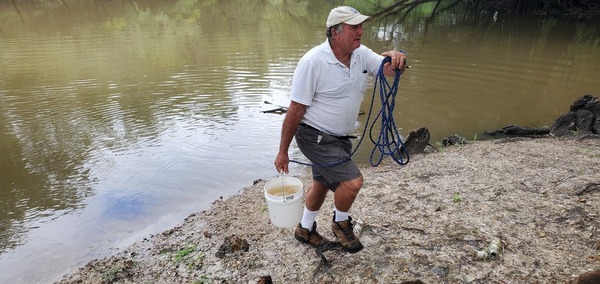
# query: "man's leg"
346, 192
306, 231
341, 225
315, 196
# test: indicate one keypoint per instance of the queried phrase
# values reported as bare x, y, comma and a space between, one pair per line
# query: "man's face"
350, 36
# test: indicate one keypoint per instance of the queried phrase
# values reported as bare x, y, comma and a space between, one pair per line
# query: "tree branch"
18, 12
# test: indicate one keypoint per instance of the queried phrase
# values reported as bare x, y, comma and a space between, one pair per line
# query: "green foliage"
110, 275
113, 274
183, 256
204, 279
439, 146
197, 262
184, 252
456, 197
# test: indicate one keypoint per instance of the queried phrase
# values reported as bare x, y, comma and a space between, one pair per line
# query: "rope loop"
389, 141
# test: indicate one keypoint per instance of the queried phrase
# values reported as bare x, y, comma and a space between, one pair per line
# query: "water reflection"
78, 95
485, 74
120, 118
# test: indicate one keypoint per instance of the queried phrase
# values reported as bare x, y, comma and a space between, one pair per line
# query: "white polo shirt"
332, 92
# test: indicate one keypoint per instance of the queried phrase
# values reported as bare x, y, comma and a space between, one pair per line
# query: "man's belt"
338, 137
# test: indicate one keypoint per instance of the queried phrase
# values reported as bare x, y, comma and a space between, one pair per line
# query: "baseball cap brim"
357, 20
345, 14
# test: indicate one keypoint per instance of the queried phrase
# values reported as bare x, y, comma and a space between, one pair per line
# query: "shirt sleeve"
373, 61
304, 83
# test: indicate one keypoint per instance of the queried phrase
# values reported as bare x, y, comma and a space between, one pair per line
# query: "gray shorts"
323, 149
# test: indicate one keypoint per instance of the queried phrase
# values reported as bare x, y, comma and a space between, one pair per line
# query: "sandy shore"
424, 221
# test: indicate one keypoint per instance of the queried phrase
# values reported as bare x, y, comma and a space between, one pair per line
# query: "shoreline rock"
583, 118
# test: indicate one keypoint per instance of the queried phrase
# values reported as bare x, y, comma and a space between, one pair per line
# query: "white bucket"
285, 209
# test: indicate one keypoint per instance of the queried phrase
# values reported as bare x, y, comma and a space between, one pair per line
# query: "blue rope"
389, 142
383, 145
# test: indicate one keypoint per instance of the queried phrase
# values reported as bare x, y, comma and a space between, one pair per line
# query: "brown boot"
344, 232
311, 237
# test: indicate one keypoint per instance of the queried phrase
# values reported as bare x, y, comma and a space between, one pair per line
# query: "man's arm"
290, 125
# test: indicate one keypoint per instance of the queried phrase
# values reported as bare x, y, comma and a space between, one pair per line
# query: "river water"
119, 118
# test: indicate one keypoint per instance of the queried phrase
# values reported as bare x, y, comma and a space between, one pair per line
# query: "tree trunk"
527, 6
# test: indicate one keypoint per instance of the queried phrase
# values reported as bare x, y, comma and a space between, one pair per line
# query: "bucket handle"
281, 175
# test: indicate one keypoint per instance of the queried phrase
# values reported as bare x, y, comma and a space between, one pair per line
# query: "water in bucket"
284, 197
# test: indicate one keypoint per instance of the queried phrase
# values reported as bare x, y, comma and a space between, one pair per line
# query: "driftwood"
583, 118
283, 109
588, 188
278, 110
513, 130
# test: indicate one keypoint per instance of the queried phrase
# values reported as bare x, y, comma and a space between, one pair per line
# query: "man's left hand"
398, 60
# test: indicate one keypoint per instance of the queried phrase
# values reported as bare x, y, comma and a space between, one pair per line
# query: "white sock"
308, 219
340, 215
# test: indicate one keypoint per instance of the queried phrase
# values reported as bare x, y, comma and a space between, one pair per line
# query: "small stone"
440, 271
588, 278
265, 280
231, 244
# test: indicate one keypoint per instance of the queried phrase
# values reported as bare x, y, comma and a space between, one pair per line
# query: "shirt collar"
331, 59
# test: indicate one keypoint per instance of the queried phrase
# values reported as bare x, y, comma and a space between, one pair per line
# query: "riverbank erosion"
540, 198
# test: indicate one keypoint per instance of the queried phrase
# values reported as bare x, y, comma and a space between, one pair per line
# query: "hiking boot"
344, 232
311, 237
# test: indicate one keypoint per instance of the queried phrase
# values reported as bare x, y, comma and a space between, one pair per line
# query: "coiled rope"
388, 142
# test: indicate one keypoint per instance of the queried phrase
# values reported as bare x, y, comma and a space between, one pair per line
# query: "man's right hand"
282, 162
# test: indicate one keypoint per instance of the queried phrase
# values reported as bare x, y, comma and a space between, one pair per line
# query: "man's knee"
318, 188
354, 185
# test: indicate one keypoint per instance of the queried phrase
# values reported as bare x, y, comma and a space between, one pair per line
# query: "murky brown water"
118, 119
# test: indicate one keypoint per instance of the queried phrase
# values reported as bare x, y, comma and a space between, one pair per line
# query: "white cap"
345, 14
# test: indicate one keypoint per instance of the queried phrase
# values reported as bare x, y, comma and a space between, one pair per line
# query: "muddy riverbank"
539, 197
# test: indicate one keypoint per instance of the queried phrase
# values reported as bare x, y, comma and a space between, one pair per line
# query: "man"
327, 90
